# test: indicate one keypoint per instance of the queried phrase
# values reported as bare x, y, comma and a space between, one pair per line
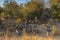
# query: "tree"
34, 9
52, 2
13, 8
56, 11
1, 9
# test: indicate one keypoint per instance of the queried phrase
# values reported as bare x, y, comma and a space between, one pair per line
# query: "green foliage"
13, 8
34, 9
5, 14
56, 11
30, 10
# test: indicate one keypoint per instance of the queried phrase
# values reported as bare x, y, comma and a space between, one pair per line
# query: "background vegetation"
14, 14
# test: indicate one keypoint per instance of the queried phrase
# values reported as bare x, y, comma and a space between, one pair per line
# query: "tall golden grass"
25, 37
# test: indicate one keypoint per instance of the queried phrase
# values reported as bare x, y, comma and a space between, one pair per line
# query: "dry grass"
25, 37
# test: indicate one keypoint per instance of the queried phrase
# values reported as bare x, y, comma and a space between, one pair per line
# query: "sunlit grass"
25, 37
